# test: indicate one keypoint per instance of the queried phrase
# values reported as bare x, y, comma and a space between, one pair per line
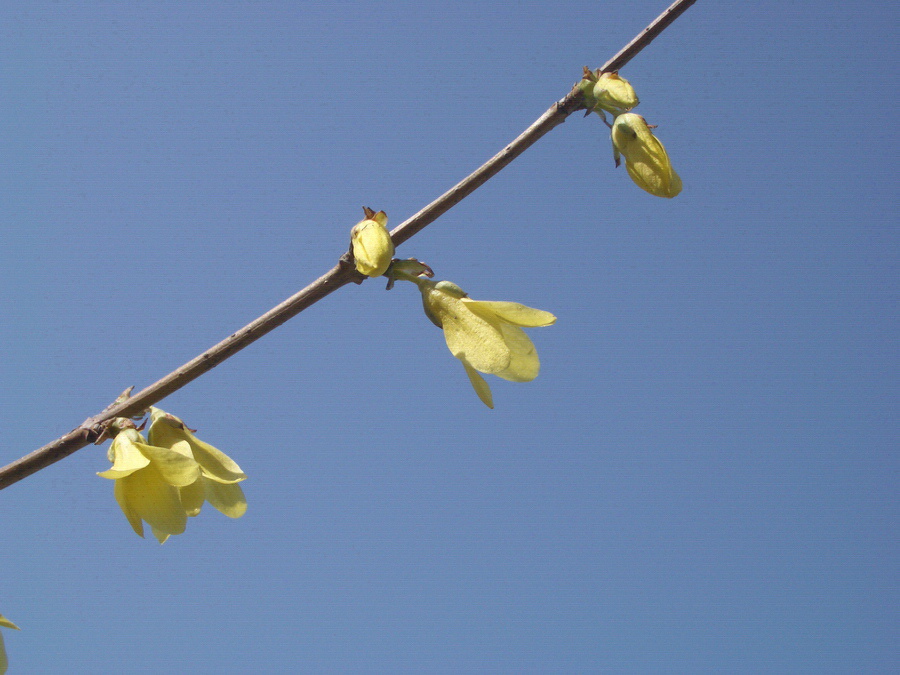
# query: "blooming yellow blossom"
485, 336
147, 482
6, 623
607, 91
217, 479
645, 157
371, 244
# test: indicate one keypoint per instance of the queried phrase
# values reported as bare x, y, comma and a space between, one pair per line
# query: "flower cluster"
165, 479
645, 156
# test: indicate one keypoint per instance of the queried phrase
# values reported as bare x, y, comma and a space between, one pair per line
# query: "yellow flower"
217, 479
607, 91
371, 244
614, 94
485, 336
645, 157
6, 623
147, 481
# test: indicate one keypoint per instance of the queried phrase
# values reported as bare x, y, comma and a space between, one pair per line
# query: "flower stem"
340, 275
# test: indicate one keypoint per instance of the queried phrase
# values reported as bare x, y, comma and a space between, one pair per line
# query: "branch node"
346, 263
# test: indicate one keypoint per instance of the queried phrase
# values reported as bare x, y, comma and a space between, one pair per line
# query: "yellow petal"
512, 312
6, 623
4, 662
161, 537
524, 364
658, 181
227, 498
473, 339
646, 158
192, 498
214, 463
614, 93
650, 168
373, 248
175, 467
380, 218
126, 458
152, 499
480, 386
121, 494
165, 430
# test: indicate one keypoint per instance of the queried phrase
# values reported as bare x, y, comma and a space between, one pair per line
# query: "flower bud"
614, 94
607, 91
371, 244
645, 156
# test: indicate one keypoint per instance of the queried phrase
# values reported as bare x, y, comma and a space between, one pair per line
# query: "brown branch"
646, 36
340, 275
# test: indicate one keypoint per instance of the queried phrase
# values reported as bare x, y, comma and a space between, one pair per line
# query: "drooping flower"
645, 157
217, 479
147, 482
5, 623
486, 336
371, 244
607, 91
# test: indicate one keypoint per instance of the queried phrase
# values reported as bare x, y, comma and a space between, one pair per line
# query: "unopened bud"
371, 244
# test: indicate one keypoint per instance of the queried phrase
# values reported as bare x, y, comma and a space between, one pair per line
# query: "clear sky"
704, 477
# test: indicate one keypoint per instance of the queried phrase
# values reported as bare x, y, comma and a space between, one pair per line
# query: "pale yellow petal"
649, 166
161, 537
372, 247
182, 448
154, 500
512, 312
524, 364
176, 468
430, 305
4, 662
472, 338
614, 93
227, 498
215, 464
623, 133
380, 218
165, 430
6, 623
659, 180
646, 158
121, 494
480, 386
126, 458
192, 498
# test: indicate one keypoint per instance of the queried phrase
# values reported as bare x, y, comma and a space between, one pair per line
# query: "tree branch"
340, 275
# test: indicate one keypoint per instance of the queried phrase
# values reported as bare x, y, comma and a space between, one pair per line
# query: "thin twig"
340, 275
646, 36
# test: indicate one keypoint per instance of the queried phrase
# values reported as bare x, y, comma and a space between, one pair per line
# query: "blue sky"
702, 479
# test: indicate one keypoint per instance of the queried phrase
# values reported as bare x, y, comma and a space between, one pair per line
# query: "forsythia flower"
371, 244
645, 157
6, 623
607, 91
147, 481
485, 336
217, 479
